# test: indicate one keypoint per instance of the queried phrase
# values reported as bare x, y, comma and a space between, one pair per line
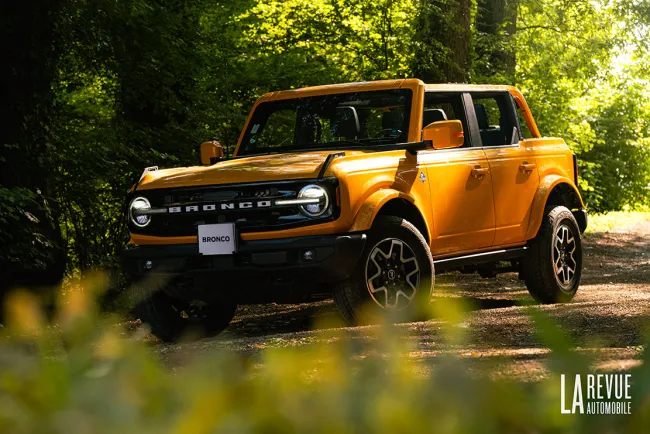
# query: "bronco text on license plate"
218, 239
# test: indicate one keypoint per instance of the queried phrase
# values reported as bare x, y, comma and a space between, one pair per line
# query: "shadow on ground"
610, 307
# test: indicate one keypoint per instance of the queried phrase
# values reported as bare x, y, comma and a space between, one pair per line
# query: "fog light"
148, 265
308, 255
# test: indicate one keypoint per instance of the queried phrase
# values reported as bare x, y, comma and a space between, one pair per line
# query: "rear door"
513, 165
460, 182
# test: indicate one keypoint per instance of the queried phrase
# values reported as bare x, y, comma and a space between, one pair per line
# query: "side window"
525, 132
496, 119
445, 107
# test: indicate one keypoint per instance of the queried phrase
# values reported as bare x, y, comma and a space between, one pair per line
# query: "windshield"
329, 122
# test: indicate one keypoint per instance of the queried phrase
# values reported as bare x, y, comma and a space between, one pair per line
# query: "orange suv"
359, 191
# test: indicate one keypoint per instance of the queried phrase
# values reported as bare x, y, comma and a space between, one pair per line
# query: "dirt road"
607, 318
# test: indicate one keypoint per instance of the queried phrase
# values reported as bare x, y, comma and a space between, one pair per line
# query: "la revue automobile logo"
597, 394
224, 206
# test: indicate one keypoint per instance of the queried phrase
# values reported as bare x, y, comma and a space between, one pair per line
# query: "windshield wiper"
341, 142
379, 139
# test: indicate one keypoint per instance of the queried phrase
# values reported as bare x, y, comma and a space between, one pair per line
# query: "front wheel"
169, 319
394, 273
553, 266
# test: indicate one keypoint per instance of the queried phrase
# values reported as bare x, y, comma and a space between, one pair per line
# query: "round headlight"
314, 192
138, 205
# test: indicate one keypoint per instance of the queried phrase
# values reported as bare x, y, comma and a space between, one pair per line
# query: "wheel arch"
554, 190
390, 202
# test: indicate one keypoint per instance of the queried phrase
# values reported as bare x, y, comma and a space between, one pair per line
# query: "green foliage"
585, 81
15, 206
84, 376
328, 41
618, 165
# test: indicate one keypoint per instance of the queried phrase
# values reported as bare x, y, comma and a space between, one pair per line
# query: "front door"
460, 181
462, 203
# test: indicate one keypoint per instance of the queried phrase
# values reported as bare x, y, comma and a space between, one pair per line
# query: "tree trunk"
496, 22
442, 41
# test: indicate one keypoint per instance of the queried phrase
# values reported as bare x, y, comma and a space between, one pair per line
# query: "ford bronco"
359, 191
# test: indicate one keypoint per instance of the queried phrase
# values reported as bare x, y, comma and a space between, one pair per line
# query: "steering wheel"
388, 132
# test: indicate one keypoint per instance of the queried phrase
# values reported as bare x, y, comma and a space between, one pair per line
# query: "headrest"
309, 128
392, 120
345, 123
482, 116
433, 115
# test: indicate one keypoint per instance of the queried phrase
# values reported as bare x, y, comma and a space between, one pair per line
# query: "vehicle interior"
497, 120
496, 117
364, 117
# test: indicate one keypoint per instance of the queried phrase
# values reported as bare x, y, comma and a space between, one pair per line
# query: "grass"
616, 221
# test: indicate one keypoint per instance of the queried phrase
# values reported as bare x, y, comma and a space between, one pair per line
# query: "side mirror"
444, 134
211, 152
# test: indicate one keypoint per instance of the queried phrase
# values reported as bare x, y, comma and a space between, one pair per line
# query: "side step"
479, 258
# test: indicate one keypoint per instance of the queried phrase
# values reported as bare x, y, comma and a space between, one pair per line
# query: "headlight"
138, 205
313, 191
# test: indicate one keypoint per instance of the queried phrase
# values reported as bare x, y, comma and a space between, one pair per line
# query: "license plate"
217, 239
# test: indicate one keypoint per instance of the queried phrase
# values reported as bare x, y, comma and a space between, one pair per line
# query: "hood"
276, 167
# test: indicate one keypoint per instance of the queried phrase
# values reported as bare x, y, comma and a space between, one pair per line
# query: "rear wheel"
553, 267
394, 273
170, 319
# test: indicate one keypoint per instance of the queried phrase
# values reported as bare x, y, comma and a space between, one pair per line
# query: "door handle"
527, 167
479, 172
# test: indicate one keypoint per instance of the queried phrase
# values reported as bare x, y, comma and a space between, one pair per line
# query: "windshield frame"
365, 143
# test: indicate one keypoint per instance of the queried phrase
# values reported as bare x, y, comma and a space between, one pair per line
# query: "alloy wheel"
564, 262
392, 274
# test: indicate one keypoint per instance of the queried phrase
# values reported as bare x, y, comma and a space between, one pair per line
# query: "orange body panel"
251, 169
462, 208
515, 180
471, 199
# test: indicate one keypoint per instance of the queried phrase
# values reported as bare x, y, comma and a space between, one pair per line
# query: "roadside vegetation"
85, 373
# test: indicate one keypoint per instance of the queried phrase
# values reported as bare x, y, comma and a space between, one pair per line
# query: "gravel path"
606, 320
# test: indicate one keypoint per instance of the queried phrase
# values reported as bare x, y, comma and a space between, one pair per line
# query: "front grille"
246, 220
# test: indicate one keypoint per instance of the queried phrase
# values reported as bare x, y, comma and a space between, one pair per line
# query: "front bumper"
256, 264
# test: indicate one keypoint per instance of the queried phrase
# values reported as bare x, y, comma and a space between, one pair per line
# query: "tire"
375, 273
170, 319
206, 320
553, 266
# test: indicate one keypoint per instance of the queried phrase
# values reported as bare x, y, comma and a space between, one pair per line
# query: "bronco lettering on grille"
221, 206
